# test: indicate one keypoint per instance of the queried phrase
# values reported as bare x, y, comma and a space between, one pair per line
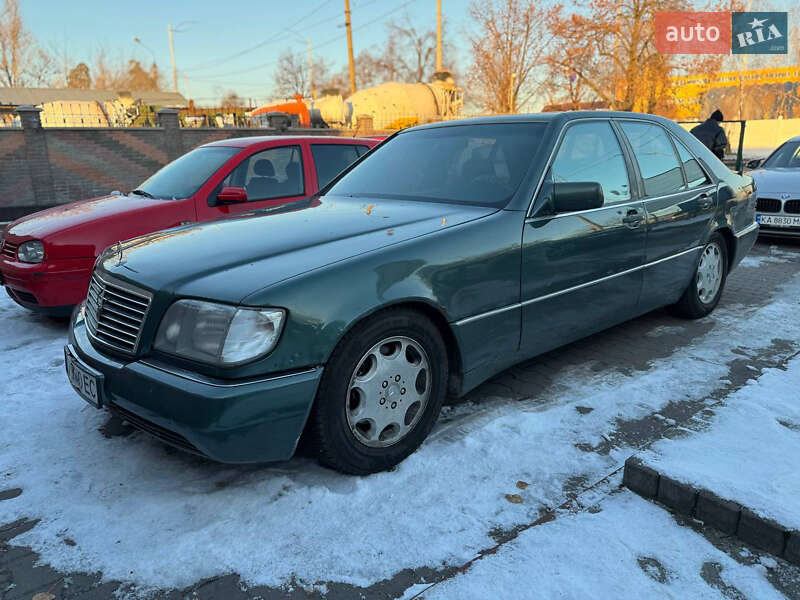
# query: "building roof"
21, 96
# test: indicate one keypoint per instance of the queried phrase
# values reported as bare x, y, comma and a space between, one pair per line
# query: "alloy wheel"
388, 391
709, 273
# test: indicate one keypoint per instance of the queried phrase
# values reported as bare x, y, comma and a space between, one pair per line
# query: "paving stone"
792, 553
761, 532
640, 478
717, 512
678, 496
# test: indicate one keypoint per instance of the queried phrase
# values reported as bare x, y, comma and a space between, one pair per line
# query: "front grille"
770, 205
115, 312
10, 250
792, 207
157, 431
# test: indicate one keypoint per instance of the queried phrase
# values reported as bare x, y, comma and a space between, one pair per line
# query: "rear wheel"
381, 392
705, 289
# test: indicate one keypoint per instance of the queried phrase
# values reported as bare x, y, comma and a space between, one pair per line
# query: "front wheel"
381, 392
705, 289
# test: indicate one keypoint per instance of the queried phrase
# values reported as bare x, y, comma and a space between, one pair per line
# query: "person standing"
712, 134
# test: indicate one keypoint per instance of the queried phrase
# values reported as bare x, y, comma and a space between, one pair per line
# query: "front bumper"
230, 422
51, 287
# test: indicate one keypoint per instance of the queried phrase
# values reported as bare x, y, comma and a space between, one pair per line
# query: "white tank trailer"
394, 105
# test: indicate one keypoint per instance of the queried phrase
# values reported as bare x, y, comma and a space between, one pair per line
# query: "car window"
466, 164
184, 176
332, 159
271, 173
695, 176
787, 156
591, 152
656, 158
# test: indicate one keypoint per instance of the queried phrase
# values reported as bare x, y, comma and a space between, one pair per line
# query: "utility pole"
311, 71
438, 35
172, 54
351, 60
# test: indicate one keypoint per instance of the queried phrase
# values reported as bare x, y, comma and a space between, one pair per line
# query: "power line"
270, 40
332, 40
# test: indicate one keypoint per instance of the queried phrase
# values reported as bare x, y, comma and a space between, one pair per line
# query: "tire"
359, 423
705, 289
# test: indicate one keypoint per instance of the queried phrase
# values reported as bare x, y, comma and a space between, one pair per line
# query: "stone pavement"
626, 348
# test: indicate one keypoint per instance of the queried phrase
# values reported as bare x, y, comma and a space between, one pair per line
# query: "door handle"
633, 219
706, 201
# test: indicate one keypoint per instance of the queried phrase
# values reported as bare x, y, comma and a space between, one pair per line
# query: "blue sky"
206, 49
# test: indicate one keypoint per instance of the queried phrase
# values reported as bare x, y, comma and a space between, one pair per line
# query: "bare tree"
291, 75
231, 100
507, 52
79, 77
609, 46
411, 52
22, 61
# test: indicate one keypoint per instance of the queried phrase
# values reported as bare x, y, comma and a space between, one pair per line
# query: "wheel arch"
730, 243
437, 316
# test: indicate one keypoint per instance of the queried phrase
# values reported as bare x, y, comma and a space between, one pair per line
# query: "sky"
231, 45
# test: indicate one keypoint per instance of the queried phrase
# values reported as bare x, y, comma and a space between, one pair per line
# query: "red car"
46, 258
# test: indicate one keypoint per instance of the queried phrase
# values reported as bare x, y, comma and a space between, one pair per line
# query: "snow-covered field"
126, 507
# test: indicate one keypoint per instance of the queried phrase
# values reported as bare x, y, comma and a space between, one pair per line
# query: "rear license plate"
83, 379
778, 220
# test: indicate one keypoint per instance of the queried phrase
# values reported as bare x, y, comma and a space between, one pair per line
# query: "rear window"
466, 164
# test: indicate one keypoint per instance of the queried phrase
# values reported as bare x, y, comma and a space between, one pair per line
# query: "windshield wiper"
142, 193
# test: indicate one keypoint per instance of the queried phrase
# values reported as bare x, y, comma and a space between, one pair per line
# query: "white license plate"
778, 220
86, 383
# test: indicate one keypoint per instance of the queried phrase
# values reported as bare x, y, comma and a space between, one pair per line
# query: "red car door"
271, 176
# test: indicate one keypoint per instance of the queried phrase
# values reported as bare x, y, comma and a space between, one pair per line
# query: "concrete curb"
723, 515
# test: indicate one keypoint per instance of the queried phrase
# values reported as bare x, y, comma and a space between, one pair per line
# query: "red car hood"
82, 229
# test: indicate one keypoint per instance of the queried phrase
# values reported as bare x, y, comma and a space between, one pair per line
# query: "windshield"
467, 164
787, 156
183, 177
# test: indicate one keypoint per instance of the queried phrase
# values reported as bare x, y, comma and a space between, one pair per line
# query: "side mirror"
577, 195
754, 164
232, 195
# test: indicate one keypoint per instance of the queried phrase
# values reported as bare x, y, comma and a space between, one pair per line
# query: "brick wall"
43, 167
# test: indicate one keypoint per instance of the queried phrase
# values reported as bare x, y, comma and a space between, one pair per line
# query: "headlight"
217, 333
31, 252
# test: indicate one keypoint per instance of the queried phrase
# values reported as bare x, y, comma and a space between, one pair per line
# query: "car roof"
244, 142
541, 118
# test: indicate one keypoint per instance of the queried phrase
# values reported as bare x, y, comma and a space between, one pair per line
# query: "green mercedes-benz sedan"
441, 257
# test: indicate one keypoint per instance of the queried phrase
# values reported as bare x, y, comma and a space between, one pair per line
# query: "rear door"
679, 198
330, 159
581, 271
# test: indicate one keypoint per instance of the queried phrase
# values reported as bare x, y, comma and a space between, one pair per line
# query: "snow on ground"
159, 519
776, 255
750, 452
629, 549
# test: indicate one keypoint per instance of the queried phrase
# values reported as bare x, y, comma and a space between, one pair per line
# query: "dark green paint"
333, 261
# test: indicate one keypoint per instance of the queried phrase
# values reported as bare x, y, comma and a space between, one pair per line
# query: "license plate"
778, 220
85, 382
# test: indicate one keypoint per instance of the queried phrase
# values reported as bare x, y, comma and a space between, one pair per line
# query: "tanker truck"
392, 105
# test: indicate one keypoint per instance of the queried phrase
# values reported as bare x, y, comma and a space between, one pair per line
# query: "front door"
270, 177
582, 271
